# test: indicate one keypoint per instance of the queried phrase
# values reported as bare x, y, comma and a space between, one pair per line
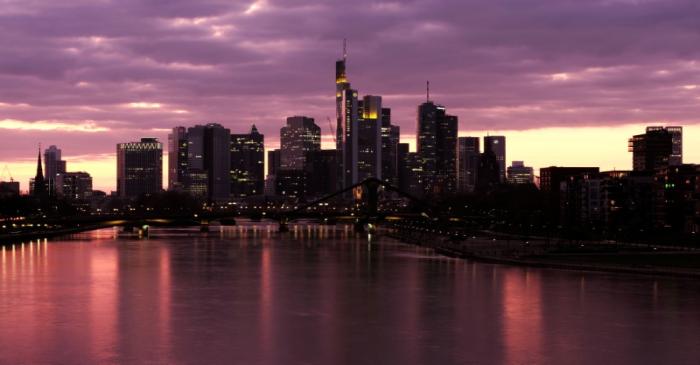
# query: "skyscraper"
436, 138
390, 141
299, 137
209, 161
177, 158
655, 149
369, 138
467, 163
53, 165
247, 163
139, 168
497, 145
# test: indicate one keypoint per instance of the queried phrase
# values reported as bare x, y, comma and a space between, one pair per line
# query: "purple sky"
86, 74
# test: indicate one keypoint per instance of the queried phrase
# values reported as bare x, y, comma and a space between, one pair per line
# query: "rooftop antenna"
427, 91
345, 49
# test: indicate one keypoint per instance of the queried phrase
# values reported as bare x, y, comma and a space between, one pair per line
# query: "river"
322, 295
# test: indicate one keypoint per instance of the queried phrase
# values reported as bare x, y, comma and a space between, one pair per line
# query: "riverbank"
601, 257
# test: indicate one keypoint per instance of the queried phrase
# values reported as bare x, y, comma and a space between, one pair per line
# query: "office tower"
299, 137
139, 168
390, 141
341, 86
177, 158
468, 152
369, 139
53, 165
437, 147
347, 144
520, 174
74, 185
209, 161
322, 171
247, 163
273, 162
497, 145
653, 149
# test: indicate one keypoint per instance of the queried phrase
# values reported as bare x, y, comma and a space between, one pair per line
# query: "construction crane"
333, 133
6, 172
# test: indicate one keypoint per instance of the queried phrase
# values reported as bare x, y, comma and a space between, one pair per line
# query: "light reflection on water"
322, 295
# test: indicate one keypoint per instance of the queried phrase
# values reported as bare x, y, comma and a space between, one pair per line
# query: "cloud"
45, 126
498, 65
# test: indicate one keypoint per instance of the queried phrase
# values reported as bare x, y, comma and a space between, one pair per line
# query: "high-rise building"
468, 152
209, 161
298, 138
436, 138
177, 158
369, 138
347, 144
139, 168
53, 165
74, 185
391, 135
658, 147
519, 174
247, 163
497, 145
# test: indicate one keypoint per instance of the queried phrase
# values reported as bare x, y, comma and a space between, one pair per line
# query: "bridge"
365, 195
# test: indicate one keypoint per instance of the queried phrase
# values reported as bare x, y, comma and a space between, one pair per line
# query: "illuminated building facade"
139, 168
247, 163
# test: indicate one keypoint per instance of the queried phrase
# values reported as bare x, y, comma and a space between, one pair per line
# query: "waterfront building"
139, 168
247, 163
209, 162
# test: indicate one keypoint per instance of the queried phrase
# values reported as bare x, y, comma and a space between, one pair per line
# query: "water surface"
323, 295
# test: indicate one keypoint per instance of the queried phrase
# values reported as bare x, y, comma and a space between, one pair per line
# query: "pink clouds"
498, 65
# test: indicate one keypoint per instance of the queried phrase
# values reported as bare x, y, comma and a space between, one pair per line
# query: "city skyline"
566, 91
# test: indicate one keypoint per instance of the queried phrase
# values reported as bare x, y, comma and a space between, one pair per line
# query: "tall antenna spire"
427, 91
345, 49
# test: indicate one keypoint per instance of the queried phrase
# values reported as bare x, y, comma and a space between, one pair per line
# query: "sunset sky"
567, 81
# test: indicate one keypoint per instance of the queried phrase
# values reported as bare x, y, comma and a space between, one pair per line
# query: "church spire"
39, 183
